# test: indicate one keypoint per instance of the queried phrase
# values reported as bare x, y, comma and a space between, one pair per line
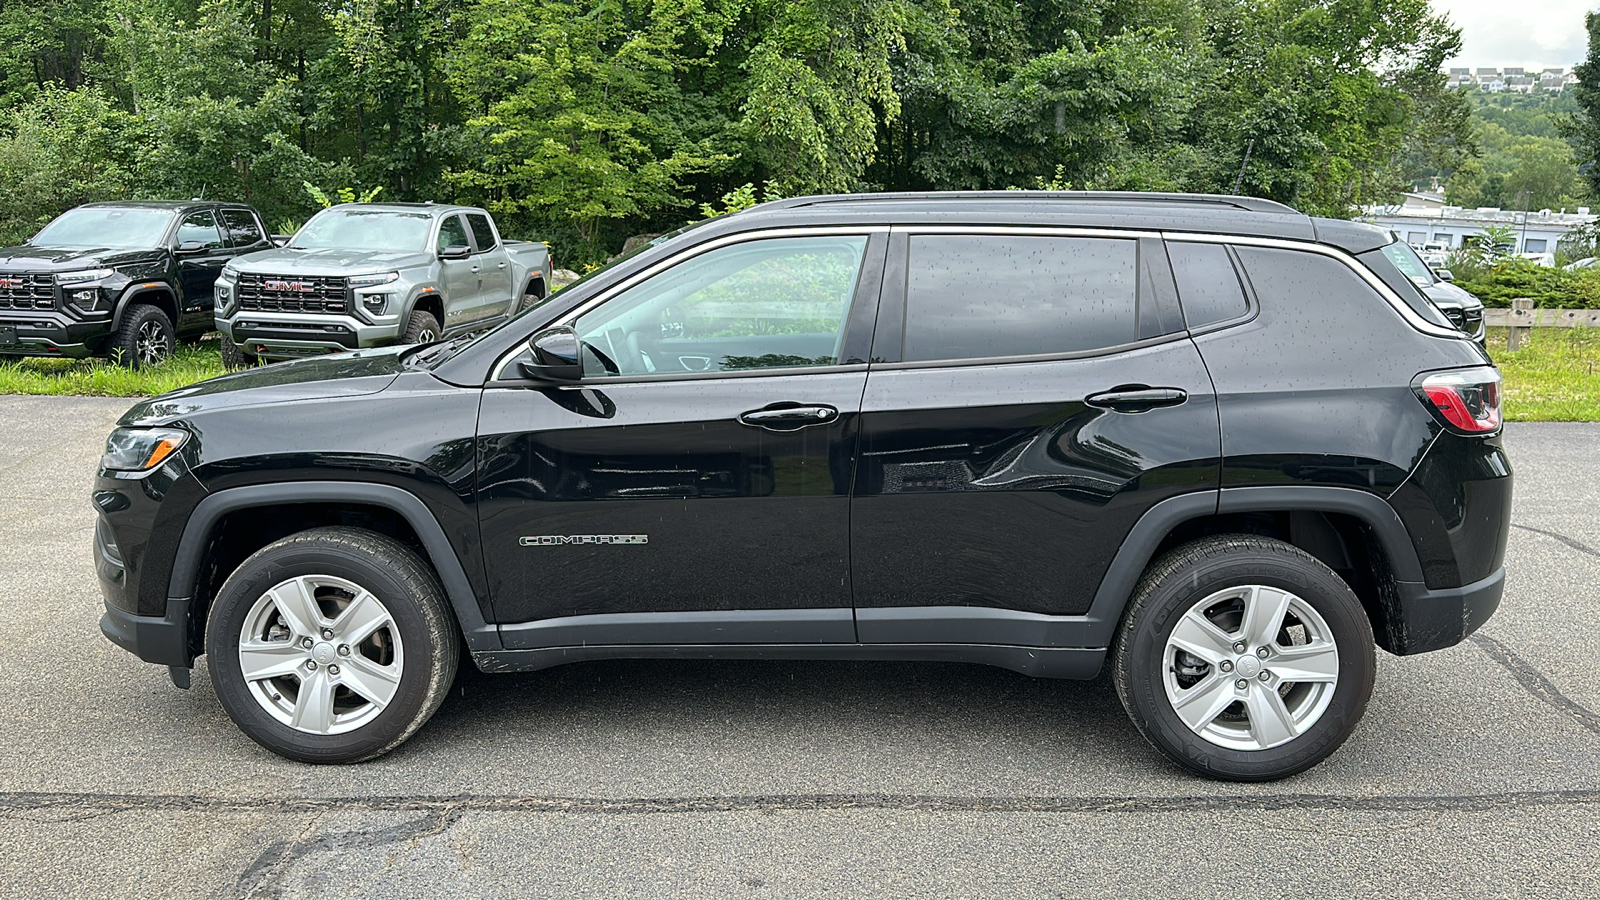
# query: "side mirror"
1444, 274
459, 251
556, 356
189, 248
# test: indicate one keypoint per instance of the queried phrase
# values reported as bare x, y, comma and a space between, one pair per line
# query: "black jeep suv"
123, 280
1215, 444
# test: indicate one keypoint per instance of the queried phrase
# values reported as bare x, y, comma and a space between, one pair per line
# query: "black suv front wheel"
332, 645
1244, 658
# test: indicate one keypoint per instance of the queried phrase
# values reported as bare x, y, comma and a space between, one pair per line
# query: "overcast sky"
1528, 33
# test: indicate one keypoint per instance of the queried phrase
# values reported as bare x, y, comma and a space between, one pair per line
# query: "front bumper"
47, 333
270, 335
1434, 619
164, 639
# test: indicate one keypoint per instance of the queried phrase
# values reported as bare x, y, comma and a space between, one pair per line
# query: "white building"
1418, 221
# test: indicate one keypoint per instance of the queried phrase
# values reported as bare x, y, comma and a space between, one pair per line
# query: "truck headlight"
370, 280
140, 449
229, 273
83, 277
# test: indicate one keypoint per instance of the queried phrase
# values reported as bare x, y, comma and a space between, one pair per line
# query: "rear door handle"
501, 266
788, 416
1136, 398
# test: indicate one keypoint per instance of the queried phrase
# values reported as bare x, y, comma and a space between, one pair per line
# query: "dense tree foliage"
1524, 164
585, 121
1582, 127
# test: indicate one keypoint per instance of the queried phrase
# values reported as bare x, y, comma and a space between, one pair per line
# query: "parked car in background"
1464, 310
1214, 446
367, 274
1548, 260
1588, 263
124, 280
1434, 254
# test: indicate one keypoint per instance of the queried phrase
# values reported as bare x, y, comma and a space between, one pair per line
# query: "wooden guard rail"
1522, 316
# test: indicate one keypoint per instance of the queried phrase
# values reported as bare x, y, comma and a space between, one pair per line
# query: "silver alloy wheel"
152, 344
321, 654
1250, 667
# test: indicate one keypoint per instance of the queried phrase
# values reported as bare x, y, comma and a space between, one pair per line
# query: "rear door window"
241, 227
1208, 284
982, 296
482, 231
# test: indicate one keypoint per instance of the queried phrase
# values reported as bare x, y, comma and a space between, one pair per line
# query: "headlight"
140, 449
229, 272
85, 275
369, 280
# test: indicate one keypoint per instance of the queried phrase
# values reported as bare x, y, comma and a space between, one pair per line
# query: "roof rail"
1248, 204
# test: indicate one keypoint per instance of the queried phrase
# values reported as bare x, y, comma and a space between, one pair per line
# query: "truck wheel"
1244, 658
145, 338
234, 358
332, 645
421, 328
532, 297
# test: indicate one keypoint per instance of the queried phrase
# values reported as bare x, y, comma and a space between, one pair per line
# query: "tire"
360, 580
1224, 731
421, 328
234, 358
531, 297
145, 338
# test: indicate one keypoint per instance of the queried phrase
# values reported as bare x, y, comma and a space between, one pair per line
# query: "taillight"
1466, 400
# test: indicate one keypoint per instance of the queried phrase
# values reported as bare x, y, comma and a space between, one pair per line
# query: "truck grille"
27, 291
291, 293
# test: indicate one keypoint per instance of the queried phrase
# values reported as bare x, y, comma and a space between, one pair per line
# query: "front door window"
766, 304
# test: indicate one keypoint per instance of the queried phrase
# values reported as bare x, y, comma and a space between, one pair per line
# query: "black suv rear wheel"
332, 645
1244, 658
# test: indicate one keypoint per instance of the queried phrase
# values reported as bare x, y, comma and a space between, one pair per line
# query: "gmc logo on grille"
12, 284
302, 287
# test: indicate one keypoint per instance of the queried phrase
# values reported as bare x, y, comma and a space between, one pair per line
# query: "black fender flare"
197, 534
1111, 598
133, 292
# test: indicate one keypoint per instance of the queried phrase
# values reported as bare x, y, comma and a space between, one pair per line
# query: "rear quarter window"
981, 296
1208, 284
1383, 266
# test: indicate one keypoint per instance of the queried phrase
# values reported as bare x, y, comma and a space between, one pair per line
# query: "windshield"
112, 227
364, 229
1409, 263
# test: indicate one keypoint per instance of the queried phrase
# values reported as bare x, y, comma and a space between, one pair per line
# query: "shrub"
1548, 288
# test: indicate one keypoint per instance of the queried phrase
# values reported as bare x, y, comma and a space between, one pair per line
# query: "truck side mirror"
1444, 274
556, 356
459, 251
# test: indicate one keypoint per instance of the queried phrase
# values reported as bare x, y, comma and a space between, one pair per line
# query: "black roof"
1208, 213
161, 204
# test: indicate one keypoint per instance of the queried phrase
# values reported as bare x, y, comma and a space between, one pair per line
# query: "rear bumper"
163, 640
1442, 617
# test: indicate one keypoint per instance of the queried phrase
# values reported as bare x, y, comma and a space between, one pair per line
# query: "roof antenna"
1240, 180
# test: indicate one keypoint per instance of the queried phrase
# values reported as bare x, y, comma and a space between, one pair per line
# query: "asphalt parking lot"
1476, 771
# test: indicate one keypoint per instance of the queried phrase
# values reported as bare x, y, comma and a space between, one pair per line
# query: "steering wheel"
605, 361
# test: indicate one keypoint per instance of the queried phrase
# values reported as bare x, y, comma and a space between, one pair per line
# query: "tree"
1582, 128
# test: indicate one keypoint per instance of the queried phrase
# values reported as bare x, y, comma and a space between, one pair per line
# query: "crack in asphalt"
1576, 545
452, 807
1535, 682
264, 876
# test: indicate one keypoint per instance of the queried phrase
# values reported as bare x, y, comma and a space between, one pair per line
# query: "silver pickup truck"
366, 274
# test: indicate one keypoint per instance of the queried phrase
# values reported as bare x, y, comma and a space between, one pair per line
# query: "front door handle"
1136, 398
788, 416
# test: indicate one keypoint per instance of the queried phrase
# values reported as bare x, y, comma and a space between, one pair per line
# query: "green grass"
100, 378
1555, 378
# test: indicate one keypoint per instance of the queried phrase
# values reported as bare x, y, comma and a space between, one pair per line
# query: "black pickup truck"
122, 280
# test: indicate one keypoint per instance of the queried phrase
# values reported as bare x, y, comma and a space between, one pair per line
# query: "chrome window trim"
1402, 308
571, 317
